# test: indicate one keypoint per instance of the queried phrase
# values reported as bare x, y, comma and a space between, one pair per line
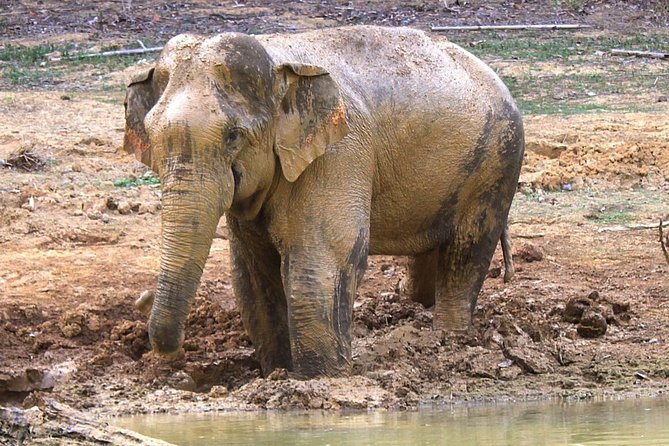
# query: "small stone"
278, 375
509, 373
218, 391
70, 330
662, 99
529, 359
575, 308
143, 209
592, 325
124, 207
620, 307
93, 323
181, 380
111, 204
95, 215
495, 272
530, 253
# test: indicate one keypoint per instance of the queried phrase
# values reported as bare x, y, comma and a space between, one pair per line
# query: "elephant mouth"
237, 176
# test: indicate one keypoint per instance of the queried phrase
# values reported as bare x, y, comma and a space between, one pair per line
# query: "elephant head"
221, 124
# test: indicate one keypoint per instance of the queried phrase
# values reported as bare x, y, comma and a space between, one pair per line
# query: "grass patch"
611, 217
25, 55
568, 73
32, 65
540, 47
148, 179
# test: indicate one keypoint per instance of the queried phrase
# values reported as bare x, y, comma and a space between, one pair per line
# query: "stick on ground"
663, 242
154, 49
509, 27
653, 54
621, 228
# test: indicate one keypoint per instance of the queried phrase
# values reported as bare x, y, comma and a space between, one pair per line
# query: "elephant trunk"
192, 204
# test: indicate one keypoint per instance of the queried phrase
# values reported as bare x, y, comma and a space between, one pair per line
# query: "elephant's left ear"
312, 115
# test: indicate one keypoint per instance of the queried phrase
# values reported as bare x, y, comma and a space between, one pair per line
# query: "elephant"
321, 148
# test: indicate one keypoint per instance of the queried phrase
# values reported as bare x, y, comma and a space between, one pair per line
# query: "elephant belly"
415, 218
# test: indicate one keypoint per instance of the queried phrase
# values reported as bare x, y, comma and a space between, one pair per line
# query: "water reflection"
612, 423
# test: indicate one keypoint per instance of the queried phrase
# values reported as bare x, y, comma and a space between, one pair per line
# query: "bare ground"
76, 251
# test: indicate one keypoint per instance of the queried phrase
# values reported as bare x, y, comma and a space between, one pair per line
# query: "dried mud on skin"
586, 315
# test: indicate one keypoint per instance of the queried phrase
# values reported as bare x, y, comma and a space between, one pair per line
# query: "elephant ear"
141, 95
312, 115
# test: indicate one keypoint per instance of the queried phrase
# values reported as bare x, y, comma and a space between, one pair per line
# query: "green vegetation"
146, 180
42, 65
564, 72
534, 46
616, 215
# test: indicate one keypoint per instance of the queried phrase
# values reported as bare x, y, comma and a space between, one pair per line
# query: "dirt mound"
596, 151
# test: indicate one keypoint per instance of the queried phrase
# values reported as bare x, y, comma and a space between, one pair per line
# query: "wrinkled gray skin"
322, 148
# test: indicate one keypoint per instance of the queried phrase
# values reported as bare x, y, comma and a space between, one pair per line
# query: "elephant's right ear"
141, 96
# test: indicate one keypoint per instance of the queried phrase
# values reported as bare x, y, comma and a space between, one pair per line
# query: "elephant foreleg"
320, 287
256, 275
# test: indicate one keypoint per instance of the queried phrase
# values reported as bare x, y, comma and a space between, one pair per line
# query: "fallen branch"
508, 27
663, 243
530, 236
25, 159
57, 424
154, 49
653, 54
621, 228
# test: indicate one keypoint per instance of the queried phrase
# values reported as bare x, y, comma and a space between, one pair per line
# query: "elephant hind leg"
419, 284
462, 265
509, 271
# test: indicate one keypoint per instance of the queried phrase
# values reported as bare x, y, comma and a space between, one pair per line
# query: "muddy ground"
585, 317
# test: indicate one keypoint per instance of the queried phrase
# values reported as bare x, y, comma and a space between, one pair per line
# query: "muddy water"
613, 423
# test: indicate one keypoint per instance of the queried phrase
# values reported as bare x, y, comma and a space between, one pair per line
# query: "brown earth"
586, 315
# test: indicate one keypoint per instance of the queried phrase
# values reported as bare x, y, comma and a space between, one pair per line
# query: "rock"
620, 307
592, 325
51, 423
104, 218
529, 359
218, 392
93, 323
22, 381
530, 253
495, 272
181, 380
509, 373
575, 308
124, 207
70, 330
112, 204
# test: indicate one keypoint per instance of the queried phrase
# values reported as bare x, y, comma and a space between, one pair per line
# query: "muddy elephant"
320, 149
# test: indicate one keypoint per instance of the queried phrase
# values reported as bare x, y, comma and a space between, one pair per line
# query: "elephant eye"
232, 136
